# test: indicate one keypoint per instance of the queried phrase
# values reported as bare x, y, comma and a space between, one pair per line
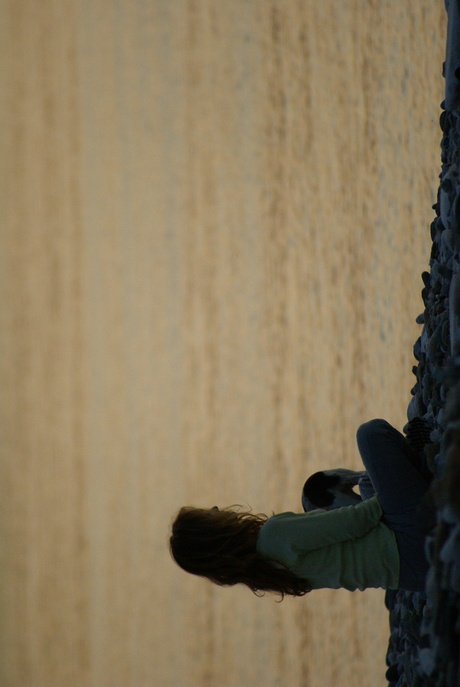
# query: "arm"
313, 530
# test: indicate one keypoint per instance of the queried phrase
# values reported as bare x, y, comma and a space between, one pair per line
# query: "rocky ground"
424, 645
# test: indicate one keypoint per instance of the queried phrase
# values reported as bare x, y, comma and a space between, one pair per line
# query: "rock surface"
424, 644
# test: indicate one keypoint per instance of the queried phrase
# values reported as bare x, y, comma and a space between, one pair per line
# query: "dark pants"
400, 489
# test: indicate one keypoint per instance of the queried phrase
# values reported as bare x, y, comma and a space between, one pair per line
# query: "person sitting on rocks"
376, 543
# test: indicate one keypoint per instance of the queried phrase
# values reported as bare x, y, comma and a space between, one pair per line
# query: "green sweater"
348, 547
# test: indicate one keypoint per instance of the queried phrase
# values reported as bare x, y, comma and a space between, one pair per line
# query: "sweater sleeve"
315, 529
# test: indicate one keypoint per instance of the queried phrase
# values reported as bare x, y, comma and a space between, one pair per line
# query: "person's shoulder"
285, 515
280, 521
273, 521
272, 540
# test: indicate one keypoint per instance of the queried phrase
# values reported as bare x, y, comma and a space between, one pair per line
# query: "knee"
372, 429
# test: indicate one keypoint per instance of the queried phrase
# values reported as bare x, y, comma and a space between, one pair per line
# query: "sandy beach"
215, 217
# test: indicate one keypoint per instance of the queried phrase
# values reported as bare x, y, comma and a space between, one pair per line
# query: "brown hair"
221, 546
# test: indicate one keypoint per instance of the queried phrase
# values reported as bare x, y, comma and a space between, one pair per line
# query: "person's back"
348, 548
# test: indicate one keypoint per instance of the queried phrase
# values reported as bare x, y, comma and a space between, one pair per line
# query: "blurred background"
214, 219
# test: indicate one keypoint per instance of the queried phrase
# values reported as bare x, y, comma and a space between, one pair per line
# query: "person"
377, 543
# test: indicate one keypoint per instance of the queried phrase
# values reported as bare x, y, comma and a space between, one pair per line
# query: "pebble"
424, 643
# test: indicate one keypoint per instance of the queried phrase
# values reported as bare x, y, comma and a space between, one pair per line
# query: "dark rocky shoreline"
424, 644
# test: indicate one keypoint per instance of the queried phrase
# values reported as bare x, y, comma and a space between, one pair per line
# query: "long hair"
221, 546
